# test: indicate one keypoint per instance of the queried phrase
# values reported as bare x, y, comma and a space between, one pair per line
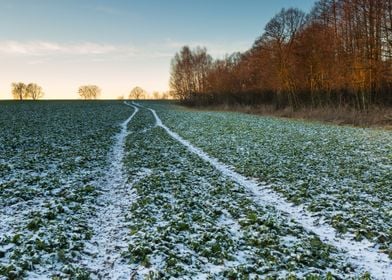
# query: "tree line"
139, 93
93, 92
340, 54
22, 91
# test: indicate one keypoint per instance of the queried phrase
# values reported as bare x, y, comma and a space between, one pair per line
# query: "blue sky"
118, 44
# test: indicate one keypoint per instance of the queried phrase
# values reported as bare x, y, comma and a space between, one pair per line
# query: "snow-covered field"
107, 190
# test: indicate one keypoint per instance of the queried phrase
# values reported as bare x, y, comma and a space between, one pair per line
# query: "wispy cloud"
46, 48
43, 51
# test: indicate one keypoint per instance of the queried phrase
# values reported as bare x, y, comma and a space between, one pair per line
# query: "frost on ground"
360, 253
340, 174
159, 208
189, 221
52, 156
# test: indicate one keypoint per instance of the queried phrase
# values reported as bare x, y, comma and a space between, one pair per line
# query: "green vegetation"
52, 158
182, 217
189, 221
341, 174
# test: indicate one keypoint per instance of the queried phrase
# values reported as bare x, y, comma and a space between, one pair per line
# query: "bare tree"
89, 92
19, 90
34, 91
181, 80
189, 71
279, 37
137, 93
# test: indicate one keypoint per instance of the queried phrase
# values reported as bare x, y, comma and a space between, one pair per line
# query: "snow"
110, 227
363, 254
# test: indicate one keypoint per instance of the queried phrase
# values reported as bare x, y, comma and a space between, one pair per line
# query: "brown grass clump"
374, 117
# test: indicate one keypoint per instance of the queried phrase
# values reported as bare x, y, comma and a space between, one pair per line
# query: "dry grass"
375, 117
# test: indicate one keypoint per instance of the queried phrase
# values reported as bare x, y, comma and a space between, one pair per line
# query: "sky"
119, 44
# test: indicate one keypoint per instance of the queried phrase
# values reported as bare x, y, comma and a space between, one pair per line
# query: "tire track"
104, 250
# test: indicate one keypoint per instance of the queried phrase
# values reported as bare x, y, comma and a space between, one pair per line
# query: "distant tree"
137, 93
34, 91
167, 95
19, 90
156, 95
120, 97
89, 92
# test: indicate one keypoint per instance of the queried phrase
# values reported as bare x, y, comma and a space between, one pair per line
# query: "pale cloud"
105, 51
47, 48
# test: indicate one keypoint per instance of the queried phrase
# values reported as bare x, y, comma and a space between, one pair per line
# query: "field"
112, 190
